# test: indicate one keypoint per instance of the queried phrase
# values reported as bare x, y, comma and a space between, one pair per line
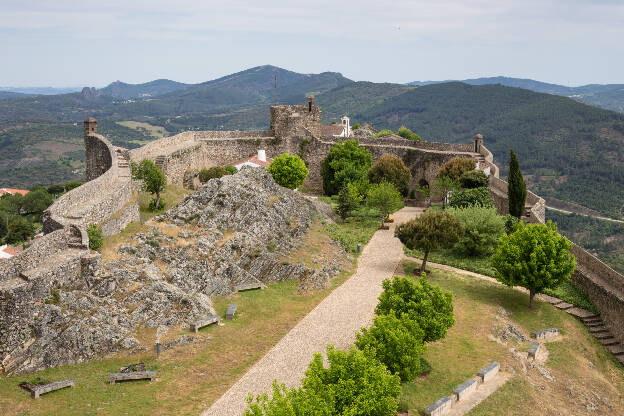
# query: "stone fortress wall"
109, 199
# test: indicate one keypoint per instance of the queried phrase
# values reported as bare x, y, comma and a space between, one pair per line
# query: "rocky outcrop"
233, 231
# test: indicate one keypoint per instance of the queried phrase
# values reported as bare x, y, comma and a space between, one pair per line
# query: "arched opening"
423, 183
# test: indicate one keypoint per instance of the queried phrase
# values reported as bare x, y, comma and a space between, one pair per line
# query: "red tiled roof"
12, 191
332, 130
254, 159
12, 250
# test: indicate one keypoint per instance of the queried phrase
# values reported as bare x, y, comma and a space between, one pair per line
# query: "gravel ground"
334, 321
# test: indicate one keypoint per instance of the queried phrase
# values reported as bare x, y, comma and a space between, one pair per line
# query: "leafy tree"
11, 204
211, 173
473, 179
348, 199
19, 230
347, 162
95, 236
535, 256
35, 202
476, 197
455, 167
516, 191
384, 132
391, 169
482, 228
428, 305
443, 186
408, 134
71, 185
396, 342
231, 169
154, 180
354, 384
288, 171
385, 198
355, 126
56, 189
430, 231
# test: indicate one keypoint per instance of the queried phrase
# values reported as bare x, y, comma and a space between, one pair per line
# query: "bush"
408, 134
412, 194
231, 169
482, 228
455, 167
430, 306
353, 384
384, 132
397, 342
71, 185
95, 237
510, 223
432, 230
348, 200
385, 198
391, 169
473, 179
211, 173
347, 162
477, 197
355, 126
288, 171
535, 256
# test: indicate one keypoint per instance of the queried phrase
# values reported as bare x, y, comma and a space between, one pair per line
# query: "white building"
255, 161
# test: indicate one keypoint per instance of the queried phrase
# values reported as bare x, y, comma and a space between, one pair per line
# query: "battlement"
289, 121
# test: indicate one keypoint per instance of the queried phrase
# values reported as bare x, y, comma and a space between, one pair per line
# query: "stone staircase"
123, 163
161, 161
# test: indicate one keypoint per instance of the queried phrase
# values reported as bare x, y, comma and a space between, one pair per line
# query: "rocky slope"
233, 231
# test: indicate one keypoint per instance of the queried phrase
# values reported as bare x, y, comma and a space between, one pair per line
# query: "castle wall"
98, 158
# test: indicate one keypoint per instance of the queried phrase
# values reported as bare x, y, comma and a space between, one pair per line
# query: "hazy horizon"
91, 43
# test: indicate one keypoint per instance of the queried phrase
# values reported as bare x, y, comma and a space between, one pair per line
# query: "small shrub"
348, 200
95, 236
477, 197
408, 134
56, 297
288, 171
412, 194
430, 306
510, 223
355, 126
152, 205
271, 247
455, 167
231, 169
473, 179
482, 228
215, 172
384, 132
396, 342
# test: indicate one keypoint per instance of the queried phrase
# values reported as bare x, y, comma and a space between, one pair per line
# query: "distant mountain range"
39, 90
608, 96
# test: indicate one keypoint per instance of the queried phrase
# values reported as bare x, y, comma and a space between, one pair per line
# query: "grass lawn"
578, 363
567, 291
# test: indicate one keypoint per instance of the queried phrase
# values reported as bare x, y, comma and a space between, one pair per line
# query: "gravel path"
334, 321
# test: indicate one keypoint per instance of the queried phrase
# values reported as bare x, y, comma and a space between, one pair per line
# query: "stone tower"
97, 154
478, 142
90, 126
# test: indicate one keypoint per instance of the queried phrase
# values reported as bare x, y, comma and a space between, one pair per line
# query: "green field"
157, 132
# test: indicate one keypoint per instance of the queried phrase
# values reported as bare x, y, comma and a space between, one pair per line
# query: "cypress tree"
516, 192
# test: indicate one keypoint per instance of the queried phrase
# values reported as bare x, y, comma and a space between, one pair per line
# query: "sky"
92, 43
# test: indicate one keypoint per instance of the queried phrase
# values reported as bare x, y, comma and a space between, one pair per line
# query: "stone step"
603, 335
563, 306
580, 313
594, 324
598, 330
609, 341
617, 349
591, 319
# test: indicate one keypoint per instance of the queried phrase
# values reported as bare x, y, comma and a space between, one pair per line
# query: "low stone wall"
32, 257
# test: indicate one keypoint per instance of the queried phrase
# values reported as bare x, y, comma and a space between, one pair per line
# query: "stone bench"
249, 286
439, 408
196, 326
545, 333
134, 375
231, 310
465, 389
36, 391
535, 350
489, 372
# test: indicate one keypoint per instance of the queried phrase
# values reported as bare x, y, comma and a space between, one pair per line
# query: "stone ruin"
61, 258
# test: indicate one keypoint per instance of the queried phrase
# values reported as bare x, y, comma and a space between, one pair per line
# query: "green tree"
348, 199
443, 186
396, 342
56, 189
35, 202
19, 230
12, 204
476, 197
154, 180
473, 179
4, 225
346, 162
456, 167
288, 171
408, 134
385, 198
482, 228
391, 169
428, 305
355, 383
211, 173
534, 256
430, 231
516, 191
71, 185
95, 236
